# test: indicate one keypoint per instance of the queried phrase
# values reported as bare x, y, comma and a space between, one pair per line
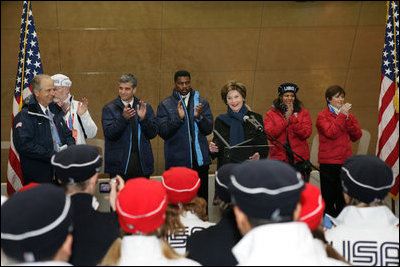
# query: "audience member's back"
36, 227
266, 196
366, 232
188, 212
141, 206
212, 246
94, 232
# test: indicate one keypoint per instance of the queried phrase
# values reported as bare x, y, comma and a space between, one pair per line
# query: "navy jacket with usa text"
177, 133
118, 137
34, 142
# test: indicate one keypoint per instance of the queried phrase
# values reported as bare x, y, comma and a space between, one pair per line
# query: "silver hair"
36, 81
128, 78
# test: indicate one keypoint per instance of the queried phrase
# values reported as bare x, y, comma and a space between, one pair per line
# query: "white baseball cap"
61, 80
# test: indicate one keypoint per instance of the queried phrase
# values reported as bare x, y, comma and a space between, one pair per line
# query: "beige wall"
262, 44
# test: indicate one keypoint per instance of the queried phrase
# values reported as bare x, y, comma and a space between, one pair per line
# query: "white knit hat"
61, 80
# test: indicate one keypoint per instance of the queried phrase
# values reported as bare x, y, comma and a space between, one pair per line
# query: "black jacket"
33, 140
177, 133
94, 231
118, 137
212, 246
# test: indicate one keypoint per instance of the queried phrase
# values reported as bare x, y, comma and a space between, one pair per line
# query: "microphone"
253, 122
284, 109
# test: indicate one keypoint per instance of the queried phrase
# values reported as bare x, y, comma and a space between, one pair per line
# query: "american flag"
388, 128
29, 65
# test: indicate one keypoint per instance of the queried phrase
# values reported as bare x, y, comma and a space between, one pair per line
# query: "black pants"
203, 174
304, 168
126, 177
331, 188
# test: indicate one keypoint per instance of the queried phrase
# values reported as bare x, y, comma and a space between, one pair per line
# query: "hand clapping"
82, 106
128, 112
346, 109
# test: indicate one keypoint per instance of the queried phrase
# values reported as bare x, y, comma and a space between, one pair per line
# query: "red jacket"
298, 129
335, 133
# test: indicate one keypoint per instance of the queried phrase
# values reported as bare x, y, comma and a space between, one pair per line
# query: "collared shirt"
186, 99
126, 103
44, 108
334, 110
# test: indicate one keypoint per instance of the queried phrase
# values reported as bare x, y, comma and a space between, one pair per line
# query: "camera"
104, 187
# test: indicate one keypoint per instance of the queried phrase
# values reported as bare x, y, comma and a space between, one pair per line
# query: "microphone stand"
288, 149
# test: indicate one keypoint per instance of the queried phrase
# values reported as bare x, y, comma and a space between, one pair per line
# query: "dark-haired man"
128, 125
185, 120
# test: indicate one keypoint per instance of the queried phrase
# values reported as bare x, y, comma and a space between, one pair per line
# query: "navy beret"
287, 87
35, 223
266, 189
366, 178
222, 180
77, 163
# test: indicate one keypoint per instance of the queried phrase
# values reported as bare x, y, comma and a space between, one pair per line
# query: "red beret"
181, 184
141, 205
312, 206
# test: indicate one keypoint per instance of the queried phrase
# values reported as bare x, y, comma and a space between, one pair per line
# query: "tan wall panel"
11, 12
310, 13
7, 93
49, 50
9, 51
372, 13
157, 146
305, 48
110, 50
363, 87
44, 14
4, 163
110, 14
212, 14
207, 50
368, 47
368, 119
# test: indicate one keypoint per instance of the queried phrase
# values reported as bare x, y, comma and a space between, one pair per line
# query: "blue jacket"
177, 133
33, 140
118, 137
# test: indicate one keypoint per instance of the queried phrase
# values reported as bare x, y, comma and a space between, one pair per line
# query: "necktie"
184, 101
54, 132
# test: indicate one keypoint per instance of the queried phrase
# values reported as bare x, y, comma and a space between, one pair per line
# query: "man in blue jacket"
128, 125
185, 120
39, 131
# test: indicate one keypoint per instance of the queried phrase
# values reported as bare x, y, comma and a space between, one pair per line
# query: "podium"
237, 154
241, 151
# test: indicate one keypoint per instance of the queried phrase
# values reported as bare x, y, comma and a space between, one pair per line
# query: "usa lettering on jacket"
372, 253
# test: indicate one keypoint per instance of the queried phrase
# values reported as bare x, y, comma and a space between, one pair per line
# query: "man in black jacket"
39, 131
128, 126
94, 232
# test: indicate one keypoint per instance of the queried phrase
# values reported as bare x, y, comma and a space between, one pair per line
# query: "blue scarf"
235, 121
